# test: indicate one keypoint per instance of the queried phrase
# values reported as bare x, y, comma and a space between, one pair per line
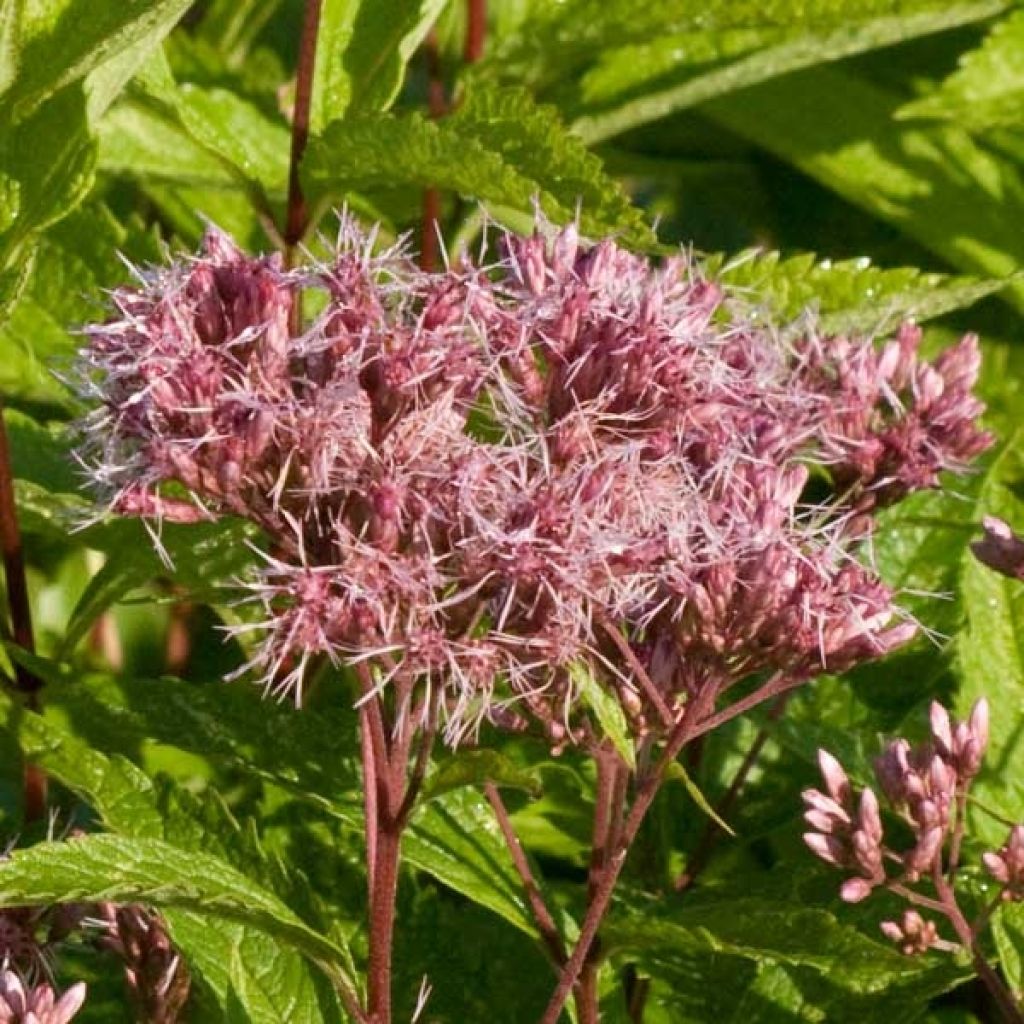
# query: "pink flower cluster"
486, 479
927, 786
923, 784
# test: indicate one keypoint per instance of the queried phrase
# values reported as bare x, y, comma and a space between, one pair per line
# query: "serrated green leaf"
242, 137
636, 85
987, 89
763, 931
476, 767
607, 710
498, 147
99, 868
990, 649
1008, 931
128, 803
935, 184
78, 36
846, 296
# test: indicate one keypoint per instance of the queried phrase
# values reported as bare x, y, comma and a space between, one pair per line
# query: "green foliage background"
862, 158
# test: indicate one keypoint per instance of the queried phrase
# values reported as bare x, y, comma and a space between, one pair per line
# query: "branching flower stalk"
927, 786
498, 493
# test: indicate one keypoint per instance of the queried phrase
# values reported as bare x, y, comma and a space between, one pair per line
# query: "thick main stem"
382, 918
34, 782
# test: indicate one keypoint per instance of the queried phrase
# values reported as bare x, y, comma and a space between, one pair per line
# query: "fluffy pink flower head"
491, 481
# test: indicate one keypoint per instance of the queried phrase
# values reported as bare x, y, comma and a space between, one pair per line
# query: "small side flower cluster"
480, 480
926, 786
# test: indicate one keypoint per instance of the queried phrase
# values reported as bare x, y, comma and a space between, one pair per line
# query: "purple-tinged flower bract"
464, 476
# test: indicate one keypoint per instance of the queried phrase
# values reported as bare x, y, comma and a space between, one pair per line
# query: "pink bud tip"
979, 722
941, 728
853, 890
836, 781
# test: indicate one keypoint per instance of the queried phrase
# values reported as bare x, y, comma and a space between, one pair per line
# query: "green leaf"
607, 710
99, 868
933, 183
648, 81
476, 767
554, 40
231, 26
128, 803
678, 773
456, 839
137, 141
246, 141
990, 650
51, 157
987, 90
1008, 931
763, 931
311, 755
848, 296
254, 979
498, 147
363, 47
76, 36
206, 562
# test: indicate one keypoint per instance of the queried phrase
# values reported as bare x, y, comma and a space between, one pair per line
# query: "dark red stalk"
437, 104
297, 216
538, 908
382, 916
476, 30
20, 615
607, 823
688, 727
1007, 1005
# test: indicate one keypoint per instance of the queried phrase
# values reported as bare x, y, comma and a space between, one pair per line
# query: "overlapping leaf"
498, 147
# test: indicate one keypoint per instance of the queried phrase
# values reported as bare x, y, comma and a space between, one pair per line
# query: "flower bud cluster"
461, 475
895, 421
926, 785
912, 933
1007, 865
156, 975
921, 783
